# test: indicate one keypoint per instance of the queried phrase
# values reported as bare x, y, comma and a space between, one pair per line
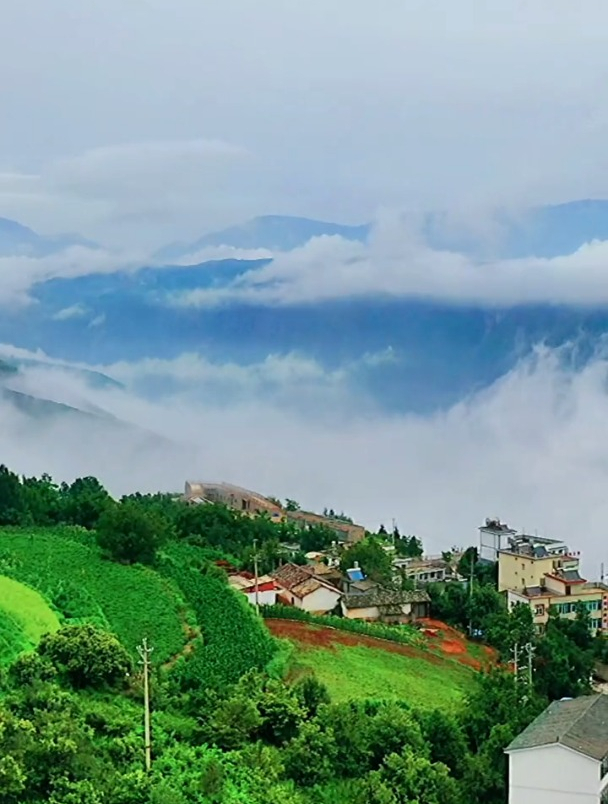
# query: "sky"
140, 123
143, 122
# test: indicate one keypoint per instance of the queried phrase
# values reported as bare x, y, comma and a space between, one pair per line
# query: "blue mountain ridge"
441, 351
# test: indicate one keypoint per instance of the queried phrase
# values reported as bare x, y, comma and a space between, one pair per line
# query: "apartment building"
544, 573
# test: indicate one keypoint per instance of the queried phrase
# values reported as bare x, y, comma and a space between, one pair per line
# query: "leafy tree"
311, 693
372, 558
83, 502
445, 739
131, 533
310, 757
291, 505
411, 777
86, 656
42, 500
408, 546
12, 499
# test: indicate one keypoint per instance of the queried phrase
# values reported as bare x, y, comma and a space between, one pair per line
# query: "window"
539, 610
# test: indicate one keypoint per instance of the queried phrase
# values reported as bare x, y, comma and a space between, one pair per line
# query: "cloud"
19, 274
131, 193
531, 449
397, 263
68, 313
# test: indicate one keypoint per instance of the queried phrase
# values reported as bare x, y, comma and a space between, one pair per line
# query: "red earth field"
442, 642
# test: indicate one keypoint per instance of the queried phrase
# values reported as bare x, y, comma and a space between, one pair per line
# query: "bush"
86, 656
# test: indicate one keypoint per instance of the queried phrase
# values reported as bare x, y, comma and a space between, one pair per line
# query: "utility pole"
530, 650
471, 593
255, 573
144, 651
515, 652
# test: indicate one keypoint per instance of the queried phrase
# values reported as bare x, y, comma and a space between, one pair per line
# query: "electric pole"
471, 554
515, 652
530, 650
255, 573
144, 651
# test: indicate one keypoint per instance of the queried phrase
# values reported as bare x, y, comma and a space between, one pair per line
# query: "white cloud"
68, 313
532, 449
19, 274
397, 263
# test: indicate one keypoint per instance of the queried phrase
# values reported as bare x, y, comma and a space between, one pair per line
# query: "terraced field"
65, 566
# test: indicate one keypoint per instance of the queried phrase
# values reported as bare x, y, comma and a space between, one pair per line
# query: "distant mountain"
272, 232
19, 240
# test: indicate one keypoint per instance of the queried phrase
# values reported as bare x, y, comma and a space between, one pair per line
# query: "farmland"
356, 667
24, 618
65, 567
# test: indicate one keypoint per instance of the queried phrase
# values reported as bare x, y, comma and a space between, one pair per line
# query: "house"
424, 570
543, 573
300, 587
235, 497
267, 589
562, 756
386, 605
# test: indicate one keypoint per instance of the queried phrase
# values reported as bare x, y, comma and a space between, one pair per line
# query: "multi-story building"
544, 573
493, 536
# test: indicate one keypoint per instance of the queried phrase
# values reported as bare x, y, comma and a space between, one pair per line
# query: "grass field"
24, 618
67, 569
353, 666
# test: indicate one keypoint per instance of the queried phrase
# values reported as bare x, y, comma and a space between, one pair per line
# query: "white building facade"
562, 757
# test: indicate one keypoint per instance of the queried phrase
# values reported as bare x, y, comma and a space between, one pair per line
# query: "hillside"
65, 566
354, 666
24, 617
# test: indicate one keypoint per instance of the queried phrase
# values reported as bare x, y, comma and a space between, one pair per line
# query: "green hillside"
24, 618
357, 667
66, 567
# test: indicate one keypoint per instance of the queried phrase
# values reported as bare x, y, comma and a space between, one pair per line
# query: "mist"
532, 449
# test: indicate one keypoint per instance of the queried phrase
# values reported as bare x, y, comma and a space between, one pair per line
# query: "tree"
84, 501
131, 533
372, 558
12, 500
86, 656
291, 505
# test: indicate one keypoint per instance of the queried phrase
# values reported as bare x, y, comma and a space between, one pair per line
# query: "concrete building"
248, 502
562, 757
386, 605
544, 573
424, 570
344, 531
493, 536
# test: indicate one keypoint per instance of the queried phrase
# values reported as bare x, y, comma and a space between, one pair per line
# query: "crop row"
133, 602
402, 634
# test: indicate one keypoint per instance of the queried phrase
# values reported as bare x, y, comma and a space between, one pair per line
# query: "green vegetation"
234, 637
66, 567
27, 608
238, 716
357, 673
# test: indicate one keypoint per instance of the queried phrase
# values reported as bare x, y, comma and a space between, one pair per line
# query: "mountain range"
440, 351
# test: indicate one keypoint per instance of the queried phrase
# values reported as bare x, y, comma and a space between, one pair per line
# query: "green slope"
24, 618
65, 566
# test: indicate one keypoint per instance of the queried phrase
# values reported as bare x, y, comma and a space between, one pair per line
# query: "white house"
562, 757
300, 587
266, 591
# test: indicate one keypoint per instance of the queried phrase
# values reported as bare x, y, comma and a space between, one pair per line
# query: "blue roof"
355, 574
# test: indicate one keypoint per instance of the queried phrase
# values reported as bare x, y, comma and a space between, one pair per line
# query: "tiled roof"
580, 724
301, 581
383, 597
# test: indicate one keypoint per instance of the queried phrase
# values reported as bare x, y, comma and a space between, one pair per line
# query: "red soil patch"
442, 640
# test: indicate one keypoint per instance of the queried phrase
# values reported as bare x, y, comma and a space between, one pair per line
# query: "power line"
144, 651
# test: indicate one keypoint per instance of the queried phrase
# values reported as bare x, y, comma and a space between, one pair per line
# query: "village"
540, 572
